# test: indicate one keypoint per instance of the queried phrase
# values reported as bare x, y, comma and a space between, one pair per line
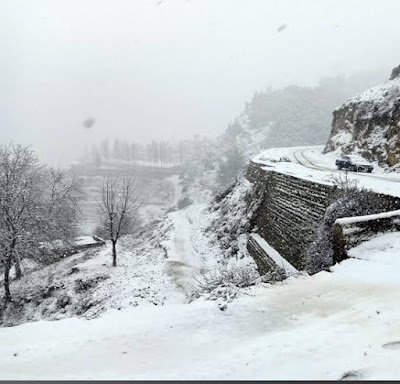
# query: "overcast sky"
170, 68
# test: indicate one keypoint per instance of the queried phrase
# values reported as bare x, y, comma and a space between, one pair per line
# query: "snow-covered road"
312, 158
309, 163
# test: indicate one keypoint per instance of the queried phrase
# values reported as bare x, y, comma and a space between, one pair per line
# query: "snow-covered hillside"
168, 261
87, 285
166, 313
328, 326
293, 115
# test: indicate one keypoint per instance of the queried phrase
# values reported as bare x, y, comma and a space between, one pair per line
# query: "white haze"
170, 68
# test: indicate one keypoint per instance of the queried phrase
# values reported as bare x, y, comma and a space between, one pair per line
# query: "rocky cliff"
369, 124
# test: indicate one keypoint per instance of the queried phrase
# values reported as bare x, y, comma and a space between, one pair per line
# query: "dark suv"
354, 164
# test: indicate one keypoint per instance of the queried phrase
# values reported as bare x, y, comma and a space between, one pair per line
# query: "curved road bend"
303, 160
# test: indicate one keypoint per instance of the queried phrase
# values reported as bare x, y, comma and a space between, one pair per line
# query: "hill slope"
293, 116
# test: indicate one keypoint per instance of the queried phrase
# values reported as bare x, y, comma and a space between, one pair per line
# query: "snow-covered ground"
319, 327
189, 253
143, 321
87, 285
159, 266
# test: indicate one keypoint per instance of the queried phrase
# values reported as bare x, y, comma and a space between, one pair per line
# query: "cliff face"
369, 124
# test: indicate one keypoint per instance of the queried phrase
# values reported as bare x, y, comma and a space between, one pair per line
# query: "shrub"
231, 166
235, 207
278, 274
222, 284
349, 200
233, 275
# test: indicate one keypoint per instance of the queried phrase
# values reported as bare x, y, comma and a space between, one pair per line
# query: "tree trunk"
18, 270
7, 268
114, 253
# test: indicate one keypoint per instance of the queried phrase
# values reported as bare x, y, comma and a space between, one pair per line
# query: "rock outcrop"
369, 124
395, 73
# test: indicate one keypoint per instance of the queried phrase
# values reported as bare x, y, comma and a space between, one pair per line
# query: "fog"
170, 69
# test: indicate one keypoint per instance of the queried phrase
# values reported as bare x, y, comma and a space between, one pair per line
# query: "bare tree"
118, 209
20, 174
37, 205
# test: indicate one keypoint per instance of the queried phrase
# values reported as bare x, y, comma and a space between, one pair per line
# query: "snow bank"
383, 250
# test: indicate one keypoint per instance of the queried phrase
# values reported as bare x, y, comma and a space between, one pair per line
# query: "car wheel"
359, 169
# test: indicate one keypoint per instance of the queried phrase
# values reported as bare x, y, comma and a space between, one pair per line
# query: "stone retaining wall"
291, 209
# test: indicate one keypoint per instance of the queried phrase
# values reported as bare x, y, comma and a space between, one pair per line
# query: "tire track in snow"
303, 160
